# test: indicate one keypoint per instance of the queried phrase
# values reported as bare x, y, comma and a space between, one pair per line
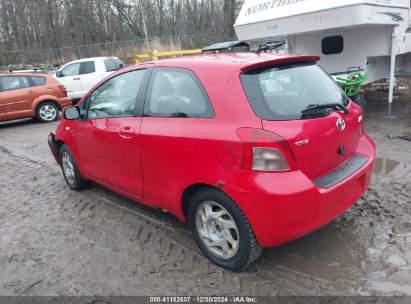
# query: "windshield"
292, 92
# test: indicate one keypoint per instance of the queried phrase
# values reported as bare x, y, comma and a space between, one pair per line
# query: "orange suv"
24, 95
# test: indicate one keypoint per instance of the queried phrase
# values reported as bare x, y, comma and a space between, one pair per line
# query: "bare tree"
229, 17
54, 24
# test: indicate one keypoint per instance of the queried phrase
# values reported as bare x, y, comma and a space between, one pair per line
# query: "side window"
71, 70
333, 45
88, 67
177, 92
116, 97
38, 80
9, 83
112, 64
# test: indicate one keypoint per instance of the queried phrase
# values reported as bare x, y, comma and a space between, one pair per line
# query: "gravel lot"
57, 242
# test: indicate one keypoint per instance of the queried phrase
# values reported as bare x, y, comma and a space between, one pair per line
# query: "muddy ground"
54, 241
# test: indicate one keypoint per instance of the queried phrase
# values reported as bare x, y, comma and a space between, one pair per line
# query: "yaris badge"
341, 124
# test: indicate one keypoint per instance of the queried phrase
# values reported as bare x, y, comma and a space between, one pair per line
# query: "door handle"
31, 92
127, 132
76, 78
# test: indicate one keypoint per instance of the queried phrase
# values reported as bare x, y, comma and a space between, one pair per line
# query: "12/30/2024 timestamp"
203, 299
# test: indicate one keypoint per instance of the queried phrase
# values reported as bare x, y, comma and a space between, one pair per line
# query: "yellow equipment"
158, 55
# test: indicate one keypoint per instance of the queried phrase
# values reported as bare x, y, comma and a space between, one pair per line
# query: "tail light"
265, 151
63, 89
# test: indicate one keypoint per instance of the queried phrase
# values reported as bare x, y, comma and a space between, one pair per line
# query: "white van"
80, 76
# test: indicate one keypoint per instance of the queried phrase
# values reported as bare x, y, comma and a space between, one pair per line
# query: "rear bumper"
54, 148
282, 207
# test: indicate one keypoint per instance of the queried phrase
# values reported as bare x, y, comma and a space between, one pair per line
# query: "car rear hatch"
303, 105
319, 146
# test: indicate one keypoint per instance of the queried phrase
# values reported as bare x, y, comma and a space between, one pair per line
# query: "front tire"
70, 170
221, 230
47, 112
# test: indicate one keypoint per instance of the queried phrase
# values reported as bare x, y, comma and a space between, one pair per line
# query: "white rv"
374, 35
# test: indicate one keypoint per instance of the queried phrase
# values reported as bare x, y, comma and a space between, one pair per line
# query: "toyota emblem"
341, 124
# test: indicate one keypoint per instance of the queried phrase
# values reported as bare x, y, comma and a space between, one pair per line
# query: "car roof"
241, 61
235, 62
91, 59
17, 73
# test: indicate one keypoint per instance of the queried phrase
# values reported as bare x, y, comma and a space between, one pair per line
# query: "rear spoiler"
226, 46
279, 60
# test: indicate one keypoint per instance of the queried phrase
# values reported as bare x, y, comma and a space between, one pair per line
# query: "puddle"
389, 167
391, 287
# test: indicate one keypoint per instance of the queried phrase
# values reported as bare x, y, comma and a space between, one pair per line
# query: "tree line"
53, 24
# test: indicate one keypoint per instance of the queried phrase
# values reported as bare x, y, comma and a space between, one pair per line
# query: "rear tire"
47, 112
221, 230
70, 170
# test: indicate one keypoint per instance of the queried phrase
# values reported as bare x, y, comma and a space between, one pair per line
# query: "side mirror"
71, 113
58, 74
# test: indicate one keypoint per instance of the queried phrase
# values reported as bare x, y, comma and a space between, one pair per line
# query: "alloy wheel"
217, 229
68, 168
48, 113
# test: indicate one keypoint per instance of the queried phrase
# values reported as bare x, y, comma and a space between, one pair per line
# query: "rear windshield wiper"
337, 106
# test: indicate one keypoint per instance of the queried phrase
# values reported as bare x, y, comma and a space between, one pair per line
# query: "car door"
178, 138
108, 138
89, 76
69, 76
18, 94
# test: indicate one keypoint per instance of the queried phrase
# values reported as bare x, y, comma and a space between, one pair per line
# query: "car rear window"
112, 64
285, 92
38, 80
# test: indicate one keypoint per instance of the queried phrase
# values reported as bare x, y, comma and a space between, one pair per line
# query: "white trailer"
374, 35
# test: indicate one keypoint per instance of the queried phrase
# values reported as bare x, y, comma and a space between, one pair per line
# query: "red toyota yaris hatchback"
253, 150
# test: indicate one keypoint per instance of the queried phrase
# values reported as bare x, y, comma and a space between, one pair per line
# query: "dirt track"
57, 242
